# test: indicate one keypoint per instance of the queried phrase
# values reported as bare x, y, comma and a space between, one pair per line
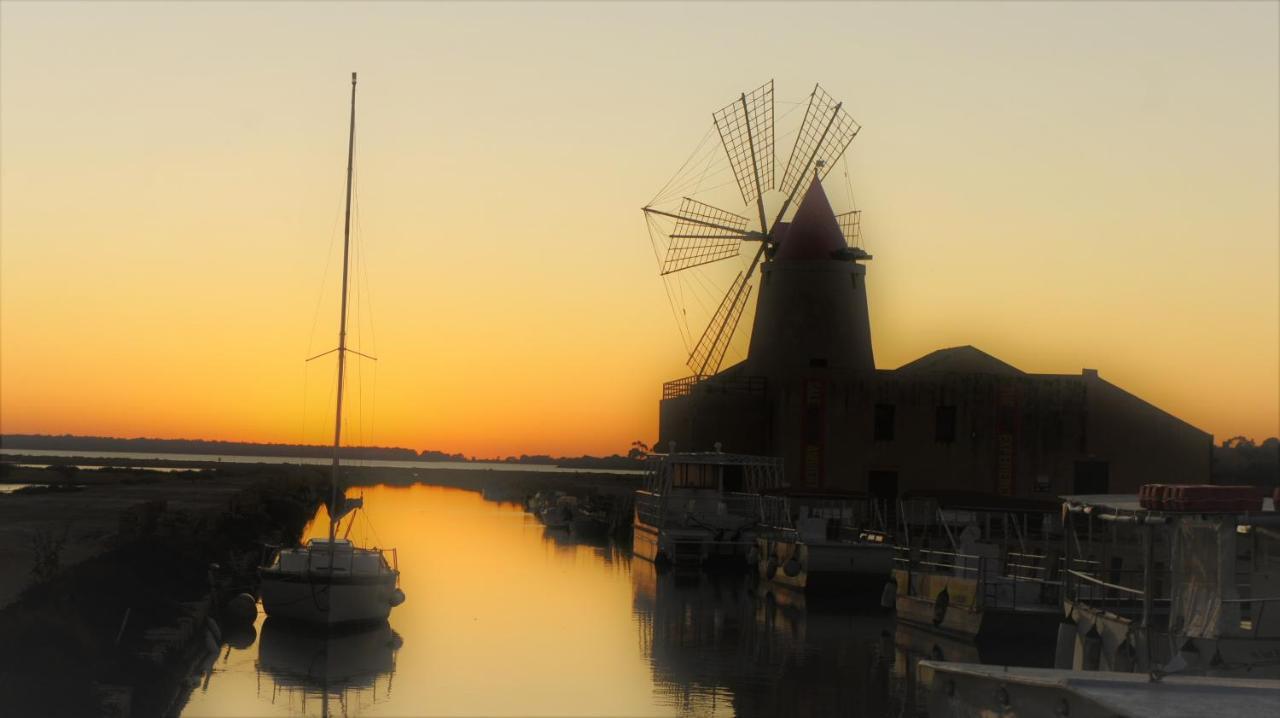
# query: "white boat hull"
312, 599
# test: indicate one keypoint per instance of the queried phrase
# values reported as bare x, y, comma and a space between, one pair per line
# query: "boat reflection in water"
732, 645
335, 673
912, 644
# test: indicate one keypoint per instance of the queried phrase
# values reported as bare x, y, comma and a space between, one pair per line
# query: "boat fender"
397, 598
753, 555
771, 569
889, 595
242, 607
791, 567
1064, 650
940, 606
241, 637
213, 628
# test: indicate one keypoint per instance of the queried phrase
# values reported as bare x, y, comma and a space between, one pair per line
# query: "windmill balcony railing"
721, 385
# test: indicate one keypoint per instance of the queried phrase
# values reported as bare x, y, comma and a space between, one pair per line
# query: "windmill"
703, 234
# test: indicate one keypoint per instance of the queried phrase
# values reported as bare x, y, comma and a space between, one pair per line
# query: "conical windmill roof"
814, 232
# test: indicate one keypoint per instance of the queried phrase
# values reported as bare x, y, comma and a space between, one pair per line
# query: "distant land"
69, 442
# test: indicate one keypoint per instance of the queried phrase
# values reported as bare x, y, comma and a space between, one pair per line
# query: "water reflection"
726, 645
333, 674
507, 618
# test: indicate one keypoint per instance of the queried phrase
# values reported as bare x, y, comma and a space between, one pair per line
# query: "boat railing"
1024, 582
649, 508
343, 560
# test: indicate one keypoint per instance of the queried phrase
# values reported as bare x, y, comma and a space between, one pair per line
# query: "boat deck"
1128, 694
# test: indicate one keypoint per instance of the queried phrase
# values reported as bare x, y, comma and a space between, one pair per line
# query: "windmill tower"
811, 310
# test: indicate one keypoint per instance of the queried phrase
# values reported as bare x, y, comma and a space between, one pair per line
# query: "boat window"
694, 476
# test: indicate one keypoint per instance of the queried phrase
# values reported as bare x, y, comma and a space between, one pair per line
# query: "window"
945, 425
884, 422
694, 476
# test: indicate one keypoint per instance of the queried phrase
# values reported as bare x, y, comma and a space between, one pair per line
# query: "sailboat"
332, 582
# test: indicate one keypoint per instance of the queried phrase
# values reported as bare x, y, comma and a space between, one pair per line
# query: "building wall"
1140, 442
1019, 435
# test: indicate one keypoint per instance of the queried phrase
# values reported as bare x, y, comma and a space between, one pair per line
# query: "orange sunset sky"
1061, 185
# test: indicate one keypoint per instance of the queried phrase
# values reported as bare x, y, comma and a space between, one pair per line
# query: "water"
124, 457
506, 618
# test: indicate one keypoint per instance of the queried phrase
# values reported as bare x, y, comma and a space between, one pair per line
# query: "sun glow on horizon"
1060, 186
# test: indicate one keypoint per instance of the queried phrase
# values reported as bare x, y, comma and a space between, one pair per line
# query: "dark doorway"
1092, 477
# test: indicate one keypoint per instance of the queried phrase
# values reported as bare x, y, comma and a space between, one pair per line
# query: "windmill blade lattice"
710, 349
825, 133
746, 129
703, 234
851, 227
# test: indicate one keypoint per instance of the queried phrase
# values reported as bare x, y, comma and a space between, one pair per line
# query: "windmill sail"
746, 130
710, 349
825, 133
851, 227
703, 234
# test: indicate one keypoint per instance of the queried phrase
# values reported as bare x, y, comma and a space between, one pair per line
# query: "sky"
1061, 185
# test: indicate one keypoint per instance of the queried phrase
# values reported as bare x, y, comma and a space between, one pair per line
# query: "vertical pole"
1068, 533
1147, 578
342, 329
755, 166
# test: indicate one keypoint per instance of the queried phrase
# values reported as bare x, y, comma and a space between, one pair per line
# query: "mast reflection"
317, 673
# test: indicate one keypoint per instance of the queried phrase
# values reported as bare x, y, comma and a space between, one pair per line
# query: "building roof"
965, 359
814, 232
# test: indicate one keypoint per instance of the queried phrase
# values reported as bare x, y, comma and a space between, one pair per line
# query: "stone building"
955, 419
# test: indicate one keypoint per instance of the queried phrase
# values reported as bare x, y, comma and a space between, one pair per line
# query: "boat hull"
317, 600
689, 546
831, 566
962, 614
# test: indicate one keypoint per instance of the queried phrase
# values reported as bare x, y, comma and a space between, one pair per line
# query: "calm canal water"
504, 617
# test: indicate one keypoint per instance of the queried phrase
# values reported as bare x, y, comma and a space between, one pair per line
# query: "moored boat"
823, 541
973, 566
701, 507
333, 582
1187, 585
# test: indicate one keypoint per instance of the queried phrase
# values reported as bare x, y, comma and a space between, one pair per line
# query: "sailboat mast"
342, 326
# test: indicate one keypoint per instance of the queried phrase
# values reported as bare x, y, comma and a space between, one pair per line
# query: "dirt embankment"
94, 562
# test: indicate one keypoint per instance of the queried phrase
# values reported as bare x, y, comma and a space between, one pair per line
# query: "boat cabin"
348, 559
701, 505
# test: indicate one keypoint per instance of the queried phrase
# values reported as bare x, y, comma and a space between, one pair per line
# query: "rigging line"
674, 313
705, 162
848, 182
693, 159
324, 279
650, 223
702, 142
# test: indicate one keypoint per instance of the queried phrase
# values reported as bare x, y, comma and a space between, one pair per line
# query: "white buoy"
242, 607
